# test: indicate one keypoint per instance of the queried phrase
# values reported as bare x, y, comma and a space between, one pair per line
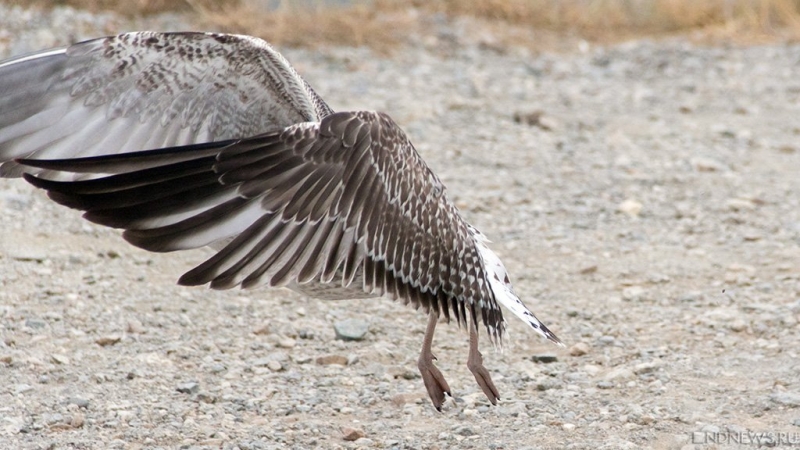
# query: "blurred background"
539, 24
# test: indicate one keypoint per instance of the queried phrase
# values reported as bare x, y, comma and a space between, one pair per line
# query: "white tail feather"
504, 292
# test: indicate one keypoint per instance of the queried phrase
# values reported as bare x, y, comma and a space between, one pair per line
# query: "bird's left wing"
143, 90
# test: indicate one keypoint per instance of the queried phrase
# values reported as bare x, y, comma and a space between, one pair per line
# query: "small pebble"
134, 326
352, 434
544, 358
59, 359
79, 402
332, 359
646, 367
738, 325
287, 343
305, 334
401, 399
35, 324
217, 368
53, 418
546, 384
579, 349
618, 373
536, 119
351, 329
264, 330
207, 398
22, 388
301, 359
26, 252
791, 399
466, 431
190, 387
106, 341
703, 164
606, 340
738, 204
77, 420
633, 293
630, 207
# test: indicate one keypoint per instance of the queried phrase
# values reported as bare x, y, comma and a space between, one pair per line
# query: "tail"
504, 292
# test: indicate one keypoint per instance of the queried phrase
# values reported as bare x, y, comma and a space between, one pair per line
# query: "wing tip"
546, 333
47, 164
32, 179
57, 191
554, 339
190, 279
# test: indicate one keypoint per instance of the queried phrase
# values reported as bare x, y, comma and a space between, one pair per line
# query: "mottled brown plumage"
187, 140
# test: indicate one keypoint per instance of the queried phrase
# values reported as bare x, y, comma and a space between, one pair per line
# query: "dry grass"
382, 23
376, 24
616, 19
126, 7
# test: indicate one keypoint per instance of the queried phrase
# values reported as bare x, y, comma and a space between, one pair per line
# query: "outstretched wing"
321, 202
144, 90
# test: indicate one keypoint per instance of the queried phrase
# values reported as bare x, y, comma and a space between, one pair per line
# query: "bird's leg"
475, 365
434, 381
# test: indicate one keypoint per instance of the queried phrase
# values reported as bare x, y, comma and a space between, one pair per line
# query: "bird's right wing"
326, 202
146, 90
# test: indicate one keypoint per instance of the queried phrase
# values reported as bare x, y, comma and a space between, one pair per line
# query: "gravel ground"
644, 197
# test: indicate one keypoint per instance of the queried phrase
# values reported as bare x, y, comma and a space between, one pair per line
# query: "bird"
190, 139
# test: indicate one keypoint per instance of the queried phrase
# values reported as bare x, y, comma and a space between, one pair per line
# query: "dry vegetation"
382, 23
379, 24
612, 19
127, 7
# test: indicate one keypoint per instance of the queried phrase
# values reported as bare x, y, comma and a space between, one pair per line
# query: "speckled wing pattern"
323, 202
145, 90
249, 160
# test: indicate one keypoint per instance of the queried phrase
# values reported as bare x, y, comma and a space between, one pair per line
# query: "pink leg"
475, 365
434, 381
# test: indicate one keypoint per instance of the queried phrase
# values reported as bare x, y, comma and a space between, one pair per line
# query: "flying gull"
187, 140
